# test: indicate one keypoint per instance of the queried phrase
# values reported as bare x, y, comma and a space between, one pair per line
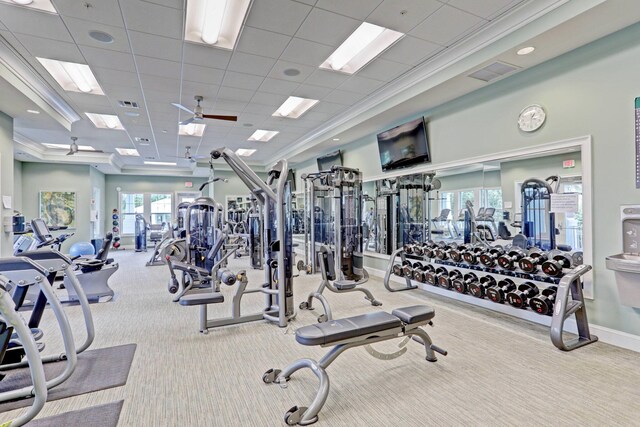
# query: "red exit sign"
568, 164
188, 184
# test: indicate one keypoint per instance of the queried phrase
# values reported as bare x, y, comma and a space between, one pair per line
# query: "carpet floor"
500, 371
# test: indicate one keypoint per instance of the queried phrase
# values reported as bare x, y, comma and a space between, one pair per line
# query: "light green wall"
38, 177
6, 180
17, 185
589, 91
98, 182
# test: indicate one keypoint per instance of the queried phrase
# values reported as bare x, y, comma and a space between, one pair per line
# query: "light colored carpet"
95, 416
500, 371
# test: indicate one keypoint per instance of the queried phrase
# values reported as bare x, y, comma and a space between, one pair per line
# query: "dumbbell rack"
569, 298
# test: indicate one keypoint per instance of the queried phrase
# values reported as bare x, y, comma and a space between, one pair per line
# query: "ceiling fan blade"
216, 117
89, 151
186, 122
71, 153
182, 107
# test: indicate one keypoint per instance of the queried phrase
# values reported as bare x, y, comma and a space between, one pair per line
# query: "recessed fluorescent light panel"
363, 45
294, 107
263, 135
192, 129
215, 22
66, 147
160, 163
72, 77
245, 152
44, 5
105, 121
127, 151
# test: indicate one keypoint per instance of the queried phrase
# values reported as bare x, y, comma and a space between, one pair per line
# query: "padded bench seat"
344, 284
202, 298
363, 325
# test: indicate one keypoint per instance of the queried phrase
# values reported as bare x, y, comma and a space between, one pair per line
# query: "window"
131, 205
492, 198
446, 200
464, 196
160, 209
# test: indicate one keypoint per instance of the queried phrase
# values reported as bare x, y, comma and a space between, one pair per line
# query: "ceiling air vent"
142, 141
128, 104
493, 71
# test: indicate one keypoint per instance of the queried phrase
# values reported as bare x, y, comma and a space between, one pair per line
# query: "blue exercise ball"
82, 249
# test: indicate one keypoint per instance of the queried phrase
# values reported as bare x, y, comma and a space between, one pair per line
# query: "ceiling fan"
187, 155
197, 113
73, 148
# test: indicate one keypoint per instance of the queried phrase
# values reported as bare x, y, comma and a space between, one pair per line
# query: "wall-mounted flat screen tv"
327, 161
404, 145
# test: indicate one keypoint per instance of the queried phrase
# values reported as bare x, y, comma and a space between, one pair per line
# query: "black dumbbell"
461, 285
509, 261
471, 255
408, 249
434, 278
446, 281
488, 258
417, 250
429, 251
442, 252
397, 269
534, 258
543, 304
499, 292
417, 266
479, 288
520, 297
419, 273
407, 269
456, 253
556, 263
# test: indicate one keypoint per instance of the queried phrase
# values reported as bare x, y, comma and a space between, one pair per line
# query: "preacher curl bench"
347, 333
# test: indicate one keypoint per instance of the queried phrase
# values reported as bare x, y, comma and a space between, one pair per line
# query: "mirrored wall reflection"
297, 214
492, 202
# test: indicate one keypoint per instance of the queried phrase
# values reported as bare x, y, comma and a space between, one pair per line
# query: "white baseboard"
604, 334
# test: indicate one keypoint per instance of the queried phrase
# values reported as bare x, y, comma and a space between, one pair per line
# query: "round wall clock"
531, 118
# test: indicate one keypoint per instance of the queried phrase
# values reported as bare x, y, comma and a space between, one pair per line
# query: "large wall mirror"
431, 205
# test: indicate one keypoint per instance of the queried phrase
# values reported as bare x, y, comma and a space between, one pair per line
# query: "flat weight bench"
347, 333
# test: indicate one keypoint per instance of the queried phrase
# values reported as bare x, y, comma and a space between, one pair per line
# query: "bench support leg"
310, 414
421, 336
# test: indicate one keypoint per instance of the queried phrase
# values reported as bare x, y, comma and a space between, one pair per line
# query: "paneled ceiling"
149, 63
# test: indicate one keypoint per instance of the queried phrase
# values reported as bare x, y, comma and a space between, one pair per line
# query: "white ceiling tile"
256, 108
445, 25
91, 103
330, 79
242, 80
116, 92
104, 11
361, 84
357, 9
109, 77
80, 32
153, 83
411, 50
326, 27
155, 46
485, 8
389, 15
309, 2
252, 64
52, 49
227, 106
151, 18
205, 56
27, 21
278, 86
306, 52
267, 99
311, 91
317, 116
384, 70
261, 42
278, 71
235, 94
190, 89
176, 4
343, 97
196, 73
158, 67
108, 59
280, 16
